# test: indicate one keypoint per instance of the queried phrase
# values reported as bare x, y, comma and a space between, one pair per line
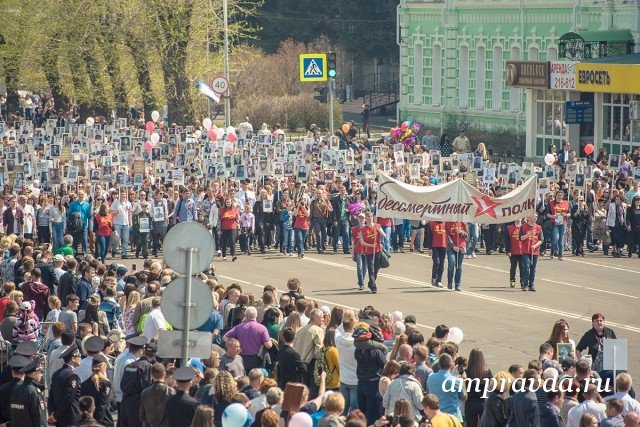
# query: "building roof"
600, 36
632, 58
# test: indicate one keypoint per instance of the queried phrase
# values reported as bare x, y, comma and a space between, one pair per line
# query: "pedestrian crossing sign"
313, 67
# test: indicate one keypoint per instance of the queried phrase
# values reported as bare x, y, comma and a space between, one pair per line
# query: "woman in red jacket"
436, 243
456, 244
559, 215
369, 237
229, 226
102, 226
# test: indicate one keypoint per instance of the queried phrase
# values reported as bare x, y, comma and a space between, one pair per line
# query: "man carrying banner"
531, 238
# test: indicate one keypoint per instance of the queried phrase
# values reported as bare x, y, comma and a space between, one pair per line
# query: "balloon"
212, 134
345, 128
231, 129
198, 133
148, 146
155, 116
155, 138
455, 335
398, 132
150, 127
232, 137
301, 419
219, 133
549, 159
404, 125
416, 127
207, 123
236, 416
90, 121
589, 149
392, 131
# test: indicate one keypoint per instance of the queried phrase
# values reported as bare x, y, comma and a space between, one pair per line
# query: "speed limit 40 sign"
220, 85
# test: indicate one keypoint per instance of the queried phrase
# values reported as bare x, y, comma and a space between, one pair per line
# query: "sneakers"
224, 258
234, 258
532, 289
438, 285
449, 286
524, 289
361, 287
560, 258
512, 283
467, 257
458, 288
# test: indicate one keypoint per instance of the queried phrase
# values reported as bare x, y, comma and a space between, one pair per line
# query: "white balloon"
301, 419
198, 133
155, 116
90, 121
455, 335
219, 133
230, 130
154, 138
549, 159
207, 123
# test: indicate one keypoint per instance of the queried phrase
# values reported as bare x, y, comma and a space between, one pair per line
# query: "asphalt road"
507, 324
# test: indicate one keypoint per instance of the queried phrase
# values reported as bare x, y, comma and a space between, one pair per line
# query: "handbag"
382, 259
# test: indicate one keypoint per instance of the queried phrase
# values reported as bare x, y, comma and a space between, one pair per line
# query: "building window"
619, 131
550, 125
481, 60
533, 53
437, 75
418, 67
497, 79
514, 93
464, 76
552, 54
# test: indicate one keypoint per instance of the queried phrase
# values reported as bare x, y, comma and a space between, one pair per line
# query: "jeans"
103, 247
350, 394
454, 265
529, 263
341, 229
386, 240
369, 400
397, 237
515, 261
557, 239
437, 255
287, 240
369, 263
57, 229
123, 232
472, 229
301, 237
359, 268
228, 241
320, 232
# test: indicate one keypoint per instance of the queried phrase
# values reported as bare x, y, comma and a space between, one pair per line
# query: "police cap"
18, 361
94, 344
138, 341
32, 366
26, 348
184, 373
70, 351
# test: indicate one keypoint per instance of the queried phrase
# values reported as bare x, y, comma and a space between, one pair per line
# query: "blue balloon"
235, 415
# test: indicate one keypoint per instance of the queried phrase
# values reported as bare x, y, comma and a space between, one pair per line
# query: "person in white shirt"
589, 406
58, 263
245, 194
155, 321
623, 385
28, 216
244, 128
122, 211
348, 364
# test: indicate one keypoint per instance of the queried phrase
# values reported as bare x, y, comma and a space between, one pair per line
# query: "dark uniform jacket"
5, 398
101, 399
27, 405
64, 396
152, 404
180, 409
136, 377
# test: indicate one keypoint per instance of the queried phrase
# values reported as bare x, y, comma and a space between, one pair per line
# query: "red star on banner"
485, 205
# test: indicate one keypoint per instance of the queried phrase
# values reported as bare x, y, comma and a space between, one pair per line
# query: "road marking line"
485, 297
356, 310
602, 265
498, 270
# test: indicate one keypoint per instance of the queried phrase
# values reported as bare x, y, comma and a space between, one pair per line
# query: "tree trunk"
50, 67
143, 72
11, 65
100, 104
113, 69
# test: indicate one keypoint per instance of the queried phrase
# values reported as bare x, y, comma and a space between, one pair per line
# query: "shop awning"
633, 58
583, 45
600, 36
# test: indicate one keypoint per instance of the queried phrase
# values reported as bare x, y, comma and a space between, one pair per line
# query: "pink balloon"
150, 126
212, 134
148, 146
232, 137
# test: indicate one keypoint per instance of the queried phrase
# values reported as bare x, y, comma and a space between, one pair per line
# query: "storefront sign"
533, 74
454, 201
608, 78
562, 75
578, 112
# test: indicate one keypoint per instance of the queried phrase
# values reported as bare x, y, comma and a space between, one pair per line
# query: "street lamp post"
227, 100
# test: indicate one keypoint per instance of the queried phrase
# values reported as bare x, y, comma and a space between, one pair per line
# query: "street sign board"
220, 85
188, 235
313, 67
173, 303
170, 344
578, 112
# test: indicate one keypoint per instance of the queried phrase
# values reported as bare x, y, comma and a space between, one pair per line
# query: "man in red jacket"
436, 243
456, 247
514, 251
531, 239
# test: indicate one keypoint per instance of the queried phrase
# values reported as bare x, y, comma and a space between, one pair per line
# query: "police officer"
181, 408
27, 349
27, 400
137, 377
64, 395
17, 362
98, 387
93, 346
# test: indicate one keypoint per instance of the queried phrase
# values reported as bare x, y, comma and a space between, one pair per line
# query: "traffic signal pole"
330, 99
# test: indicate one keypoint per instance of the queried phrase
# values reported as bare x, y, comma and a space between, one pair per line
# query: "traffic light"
331, 64
322, 94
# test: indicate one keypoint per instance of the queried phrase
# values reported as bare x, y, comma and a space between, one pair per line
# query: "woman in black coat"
495, 406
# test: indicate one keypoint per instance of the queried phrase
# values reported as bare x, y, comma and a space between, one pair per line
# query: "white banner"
454, 201
562, 75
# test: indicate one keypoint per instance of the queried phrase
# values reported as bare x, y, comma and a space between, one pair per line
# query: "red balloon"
589, 149
150, 126
148, 146
212, 134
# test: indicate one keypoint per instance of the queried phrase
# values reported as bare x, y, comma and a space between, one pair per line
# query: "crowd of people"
84, 328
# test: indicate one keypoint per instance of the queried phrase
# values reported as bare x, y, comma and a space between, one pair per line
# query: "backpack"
321, 366
75, 223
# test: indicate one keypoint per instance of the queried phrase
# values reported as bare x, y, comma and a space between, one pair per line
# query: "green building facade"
453, 56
